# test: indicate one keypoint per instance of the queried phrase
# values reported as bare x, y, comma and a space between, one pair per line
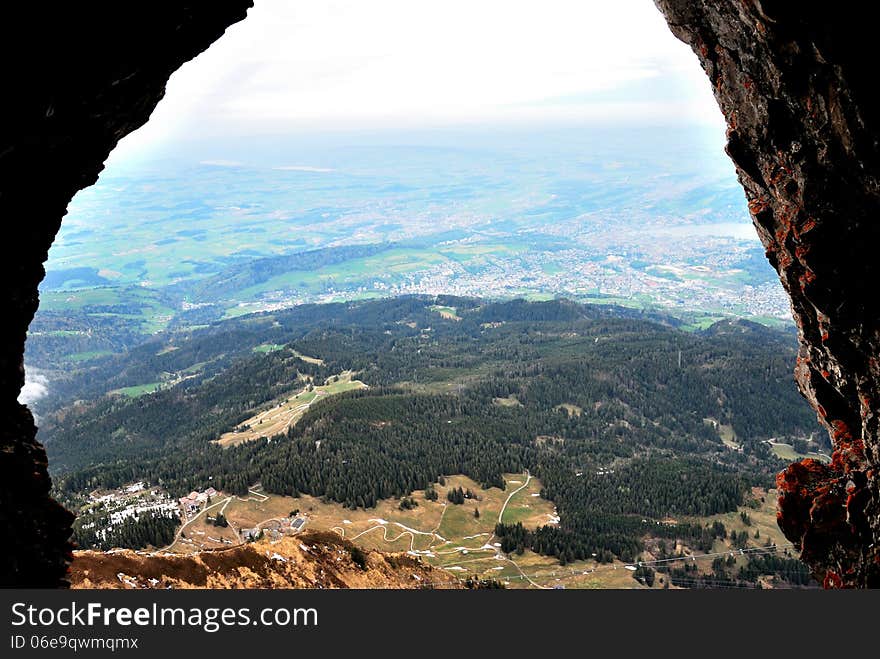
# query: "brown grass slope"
308, 560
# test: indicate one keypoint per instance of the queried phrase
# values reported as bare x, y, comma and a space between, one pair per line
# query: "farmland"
443, 534
451, 537
286, 411
224, 240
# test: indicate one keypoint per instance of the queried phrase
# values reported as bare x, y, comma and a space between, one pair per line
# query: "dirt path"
437, 536
510, 496
406, 531
527, 577
204, 510
501, 514
384, 527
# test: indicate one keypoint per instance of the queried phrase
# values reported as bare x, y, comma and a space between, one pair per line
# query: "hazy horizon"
501, 150
390, 66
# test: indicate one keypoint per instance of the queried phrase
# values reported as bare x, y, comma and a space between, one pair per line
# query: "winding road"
180, 531
436, 536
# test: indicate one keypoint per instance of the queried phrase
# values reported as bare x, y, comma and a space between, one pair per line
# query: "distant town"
578, 274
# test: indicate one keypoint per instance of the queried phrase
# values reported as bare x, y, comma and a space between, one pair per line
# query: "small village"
203, 524
192, 502
111, 508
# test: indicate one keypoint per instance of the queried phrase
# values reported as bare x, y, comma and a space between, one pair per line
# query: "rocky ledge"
796, 87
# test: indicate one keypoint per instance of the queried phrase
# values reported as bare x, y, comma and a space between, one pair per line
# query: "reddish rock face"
78, 76
797, 91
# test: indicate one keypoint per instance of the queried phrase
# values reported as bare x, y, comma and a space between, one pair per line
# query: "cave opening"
808, 161
635, 113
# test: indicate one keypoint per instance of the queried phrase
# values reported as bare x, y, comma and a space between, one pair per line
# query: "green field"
268, 347
509, 401
87, 356
571, 410
138, 390
450, 313
448, 536
287, 410
787, 452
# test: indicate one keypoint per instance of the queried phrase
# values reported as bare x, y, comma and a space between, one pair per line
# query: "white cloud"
36, 386
220, 163
305, 168
327, 64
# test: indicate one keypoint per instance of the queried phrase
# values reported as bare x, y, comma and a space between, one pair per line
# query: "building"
188, 504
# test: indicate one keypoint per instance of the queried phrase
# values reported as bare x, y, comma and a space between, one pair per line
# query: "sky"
305, 66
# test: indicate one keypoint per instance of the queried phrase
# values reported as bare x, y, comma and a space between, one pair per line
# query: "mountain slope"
309, 560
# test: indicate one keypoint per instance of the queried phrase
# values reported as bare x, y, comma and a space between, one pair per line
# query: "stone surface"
78, 76
795, 81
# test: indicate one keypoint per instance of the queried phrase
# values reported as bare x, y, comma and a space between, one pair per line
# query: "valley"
606, 437
575, 215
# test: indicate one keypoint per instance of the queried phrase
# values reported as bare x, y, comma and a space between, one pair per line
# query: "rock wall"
78, 76
795, 81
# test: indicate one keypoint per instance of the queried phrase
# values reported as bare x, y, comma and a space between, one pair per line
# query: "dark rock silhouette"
78, 77
797, 91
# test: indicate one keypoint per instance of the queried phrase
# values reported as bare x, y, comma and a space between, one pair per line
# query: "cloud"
304, 168
36, 386
348, 64
220, 163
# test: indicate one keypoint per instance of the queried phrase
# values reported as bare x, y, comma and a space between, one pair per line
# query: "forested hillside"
618, 415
